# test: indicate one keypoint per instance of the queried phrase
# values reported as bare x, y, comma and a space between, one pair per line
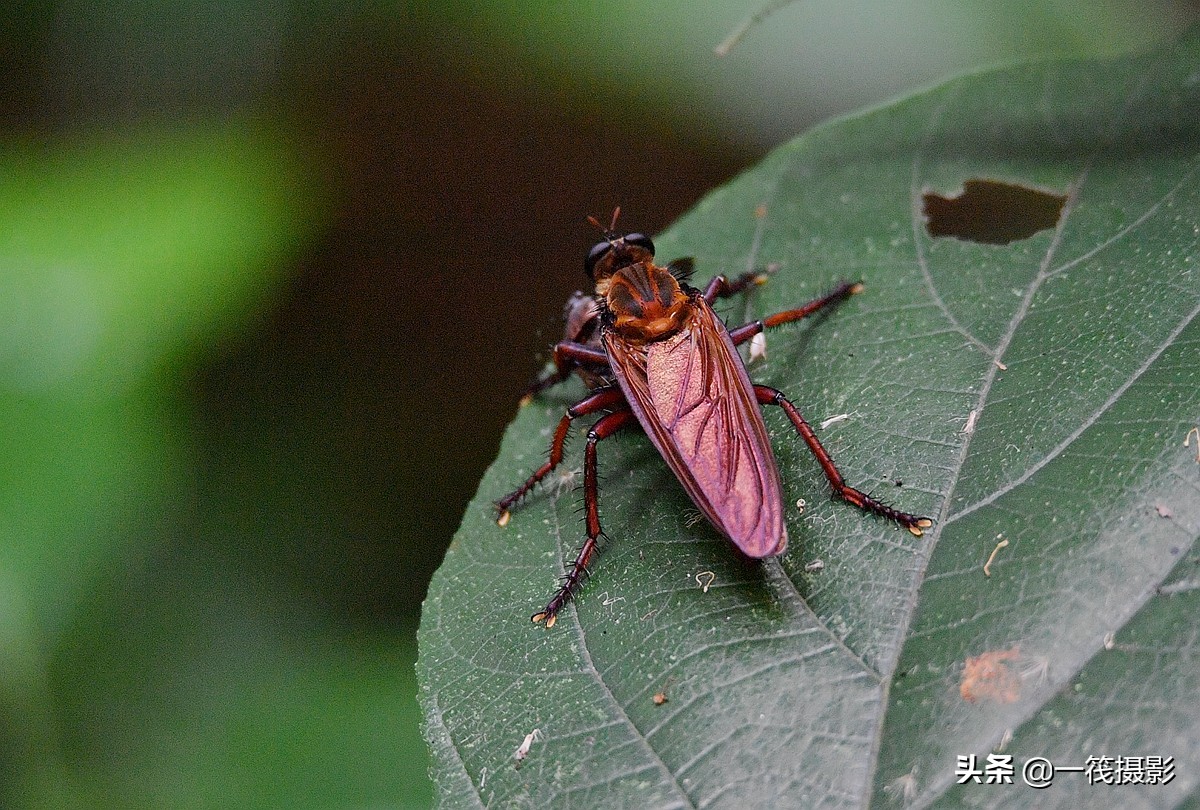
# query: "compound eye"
594, 255
639, 240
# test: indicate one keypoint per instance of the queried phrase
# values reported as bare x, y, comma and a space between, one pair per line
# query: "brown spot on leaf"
992, 676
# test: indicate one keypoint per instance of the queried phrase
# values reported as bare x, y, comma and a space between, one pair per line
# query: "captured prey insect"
654, 352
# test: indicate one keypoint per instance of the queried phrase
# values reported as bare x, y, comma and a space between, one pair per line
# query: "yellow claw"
538, 618
917, 528
502, 520
857, 288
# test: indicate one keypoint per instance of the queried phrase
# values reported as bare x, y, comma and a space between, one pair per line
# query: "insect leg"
605, 427
567, 355
721, 287
599, 401
915, 524
835, 296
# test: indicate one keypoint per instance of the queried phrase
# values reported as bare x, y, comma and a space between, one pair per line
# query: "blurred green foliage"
121, 251
138, 669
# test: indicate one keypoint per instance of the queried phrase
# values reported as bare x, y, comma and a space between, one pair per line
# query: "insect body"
684, 382
655, 352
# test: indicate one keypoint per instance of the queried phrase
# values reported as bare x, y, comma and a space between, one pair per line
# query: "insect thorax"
646, 302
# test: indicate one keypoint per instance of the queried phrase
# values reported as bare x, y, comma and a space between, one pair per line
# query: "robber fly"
656, 354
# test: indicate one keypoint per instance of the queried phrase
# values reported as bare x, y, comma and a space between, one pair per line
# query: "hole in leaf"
992, 212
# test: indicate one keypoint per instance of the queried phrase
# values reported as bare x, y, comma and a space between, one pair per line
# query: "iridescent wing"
692, 396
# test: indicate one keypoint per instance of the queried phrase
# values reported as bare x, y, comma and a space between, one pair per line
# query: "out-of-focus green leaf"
1038, 392
119, 256
114, 255
116, 251
215, 691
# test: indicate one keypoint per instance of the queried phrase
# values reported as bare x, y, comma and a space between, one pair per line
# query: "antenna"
612, 226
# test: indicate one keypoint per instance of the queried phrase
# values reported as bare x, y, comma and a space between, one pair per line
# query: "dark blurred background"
272, 276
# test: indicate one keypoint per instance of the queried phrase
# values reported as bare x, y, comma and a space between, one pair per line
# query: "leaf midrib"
993, 369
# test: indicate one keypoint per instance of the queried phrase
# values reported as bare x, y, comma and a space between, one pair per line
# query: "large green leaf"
1038, 392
